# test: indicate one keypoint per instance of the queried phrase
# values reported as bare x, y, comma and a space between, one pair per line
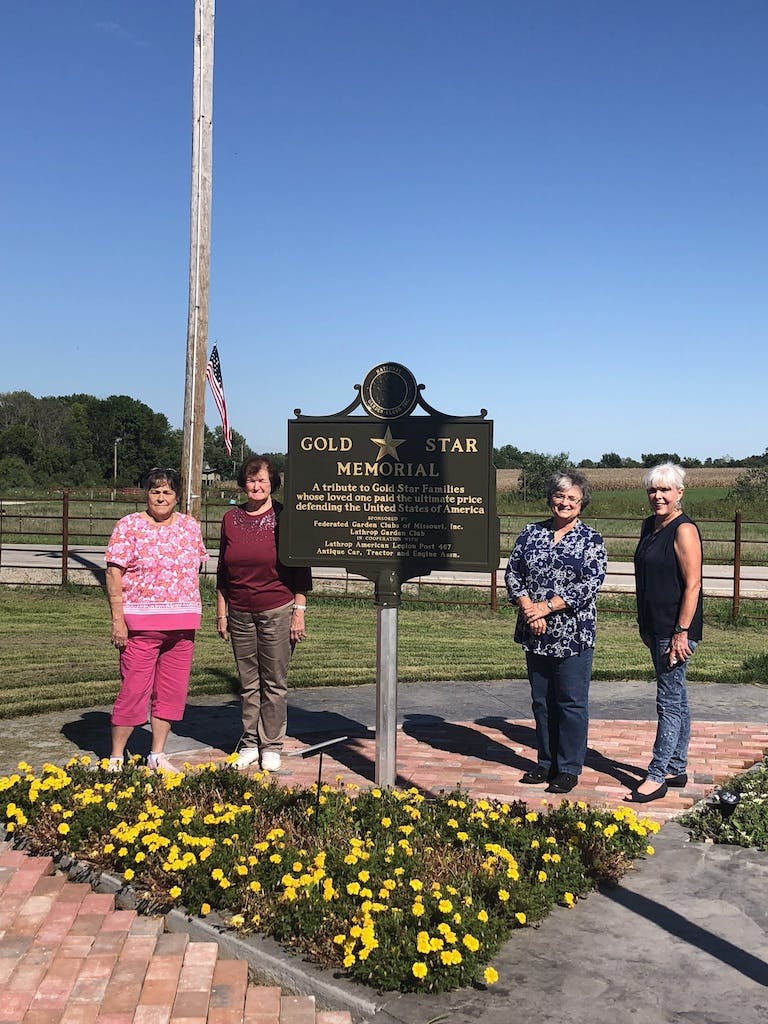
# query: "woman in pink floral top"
153, 561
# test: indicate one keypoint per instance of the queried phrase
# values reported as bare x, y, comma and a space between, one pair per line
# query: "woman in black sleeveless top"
668, 563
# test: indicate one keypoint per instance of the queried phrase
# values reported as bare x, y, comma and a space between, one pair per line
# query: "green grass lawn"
55, 651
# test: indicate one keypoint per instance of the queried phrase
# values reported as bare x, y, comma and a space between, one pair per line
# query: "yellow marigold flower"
128, 874
581, 826
224, 883
422, 942
376, 794
534, 844
490, 976
217, 874
386, 822
174, 892
237, 921
471, 943
140, 856
353, 888
650, 851
416, 884
205, 908
568, 899
275, 858
417, 909
445, 906
531, 816
419, 969
436, 944
254, 886
63, 828
462, 836
520, 917
482, 916
349, 959
339, 939
503, 895
542, 876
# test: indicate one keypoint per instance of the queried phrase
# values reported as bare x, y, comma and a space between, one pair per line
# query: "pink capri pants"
154, 666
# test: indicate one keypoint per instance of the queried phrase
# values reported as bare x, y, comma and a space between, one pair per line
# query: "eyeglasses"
564, 499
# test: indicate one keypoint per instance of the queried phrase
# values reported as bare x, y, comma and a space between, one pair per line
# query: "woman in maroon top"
260, 606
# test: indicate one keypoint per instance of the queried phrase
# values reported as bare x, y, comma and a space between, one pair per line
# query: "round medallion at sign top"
389, 391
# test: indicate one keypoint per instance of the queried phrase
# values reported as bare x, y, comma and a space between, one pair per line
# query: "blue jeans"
670, 750
560, 695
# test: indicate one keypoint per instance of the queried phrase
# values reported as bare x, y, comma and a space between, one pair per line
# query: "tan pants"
261, 642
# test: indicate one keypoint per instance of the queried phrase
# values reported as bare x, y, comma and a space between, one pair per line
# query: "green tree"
14, 473
610, 460
536, 470
656, 458
751, 488
508, 457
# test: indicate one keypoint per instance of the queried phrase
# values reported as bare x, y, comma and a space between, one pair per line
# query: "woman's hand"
298, 629
679, 649
535, 612
538, 626
119, 633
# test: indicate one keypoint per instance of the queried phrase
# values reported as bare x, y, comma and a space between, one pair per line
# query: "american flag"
213, 376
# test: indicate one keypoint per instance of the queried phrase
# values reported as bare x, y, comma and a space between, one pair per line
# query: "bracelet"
299, 608
220, 617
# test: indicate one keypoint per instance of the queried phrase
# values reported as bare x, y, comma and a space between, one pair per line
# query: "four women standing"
554, 573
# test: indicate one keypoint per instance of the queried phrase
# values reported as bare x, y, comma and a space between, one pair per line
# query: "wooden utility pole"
199, 258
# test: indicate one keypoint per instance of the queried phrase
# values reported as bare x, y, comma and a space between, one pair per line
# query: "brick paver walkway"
487, 759
67, 956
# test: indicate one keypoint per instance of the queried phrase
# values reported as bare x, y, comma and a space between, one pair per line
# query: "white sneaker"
270, 761
115, 765
160, 763
246, 757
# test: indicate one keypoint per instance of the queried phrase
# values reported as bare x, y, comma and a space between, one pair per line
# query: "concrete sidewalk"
684, 938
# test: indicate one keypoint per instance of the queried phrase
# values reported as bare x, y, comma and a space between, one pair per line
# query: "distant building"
210, 476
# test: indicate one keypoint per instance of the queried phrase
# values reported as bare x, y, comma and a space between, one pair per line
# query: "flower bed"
403, 892
742, 823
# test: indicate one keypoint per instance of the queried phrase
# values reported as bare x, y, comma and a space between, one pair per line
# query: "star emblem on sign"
388, 445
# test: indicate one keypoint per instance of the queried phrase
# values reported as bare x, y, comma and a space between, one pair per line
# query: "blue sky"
552, 209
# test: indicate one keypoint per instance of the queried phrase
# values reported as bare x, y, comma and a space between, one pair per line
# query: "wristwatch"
679, 629
549, 605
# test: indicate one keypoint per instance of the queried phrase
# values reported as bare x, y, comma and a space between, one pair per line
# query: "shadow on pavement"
683, 928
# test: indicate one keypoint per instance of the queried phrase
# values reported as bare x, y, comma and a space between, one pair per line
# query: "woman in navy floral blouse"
554, 573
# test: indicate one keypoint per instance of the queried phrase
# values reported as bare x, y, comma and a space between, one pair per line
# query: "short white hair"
667, 474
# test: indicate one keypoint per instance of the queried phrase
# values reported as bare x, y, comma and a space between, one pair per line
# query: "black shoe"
535, 777
677, 781
564, 782
645, 798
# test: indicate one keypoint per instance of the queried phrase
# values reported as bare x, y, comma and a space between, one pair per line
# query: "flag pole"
199, 259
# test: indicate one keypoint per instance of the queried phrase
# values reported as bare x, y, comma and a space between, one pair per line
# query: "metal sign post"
390, 496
